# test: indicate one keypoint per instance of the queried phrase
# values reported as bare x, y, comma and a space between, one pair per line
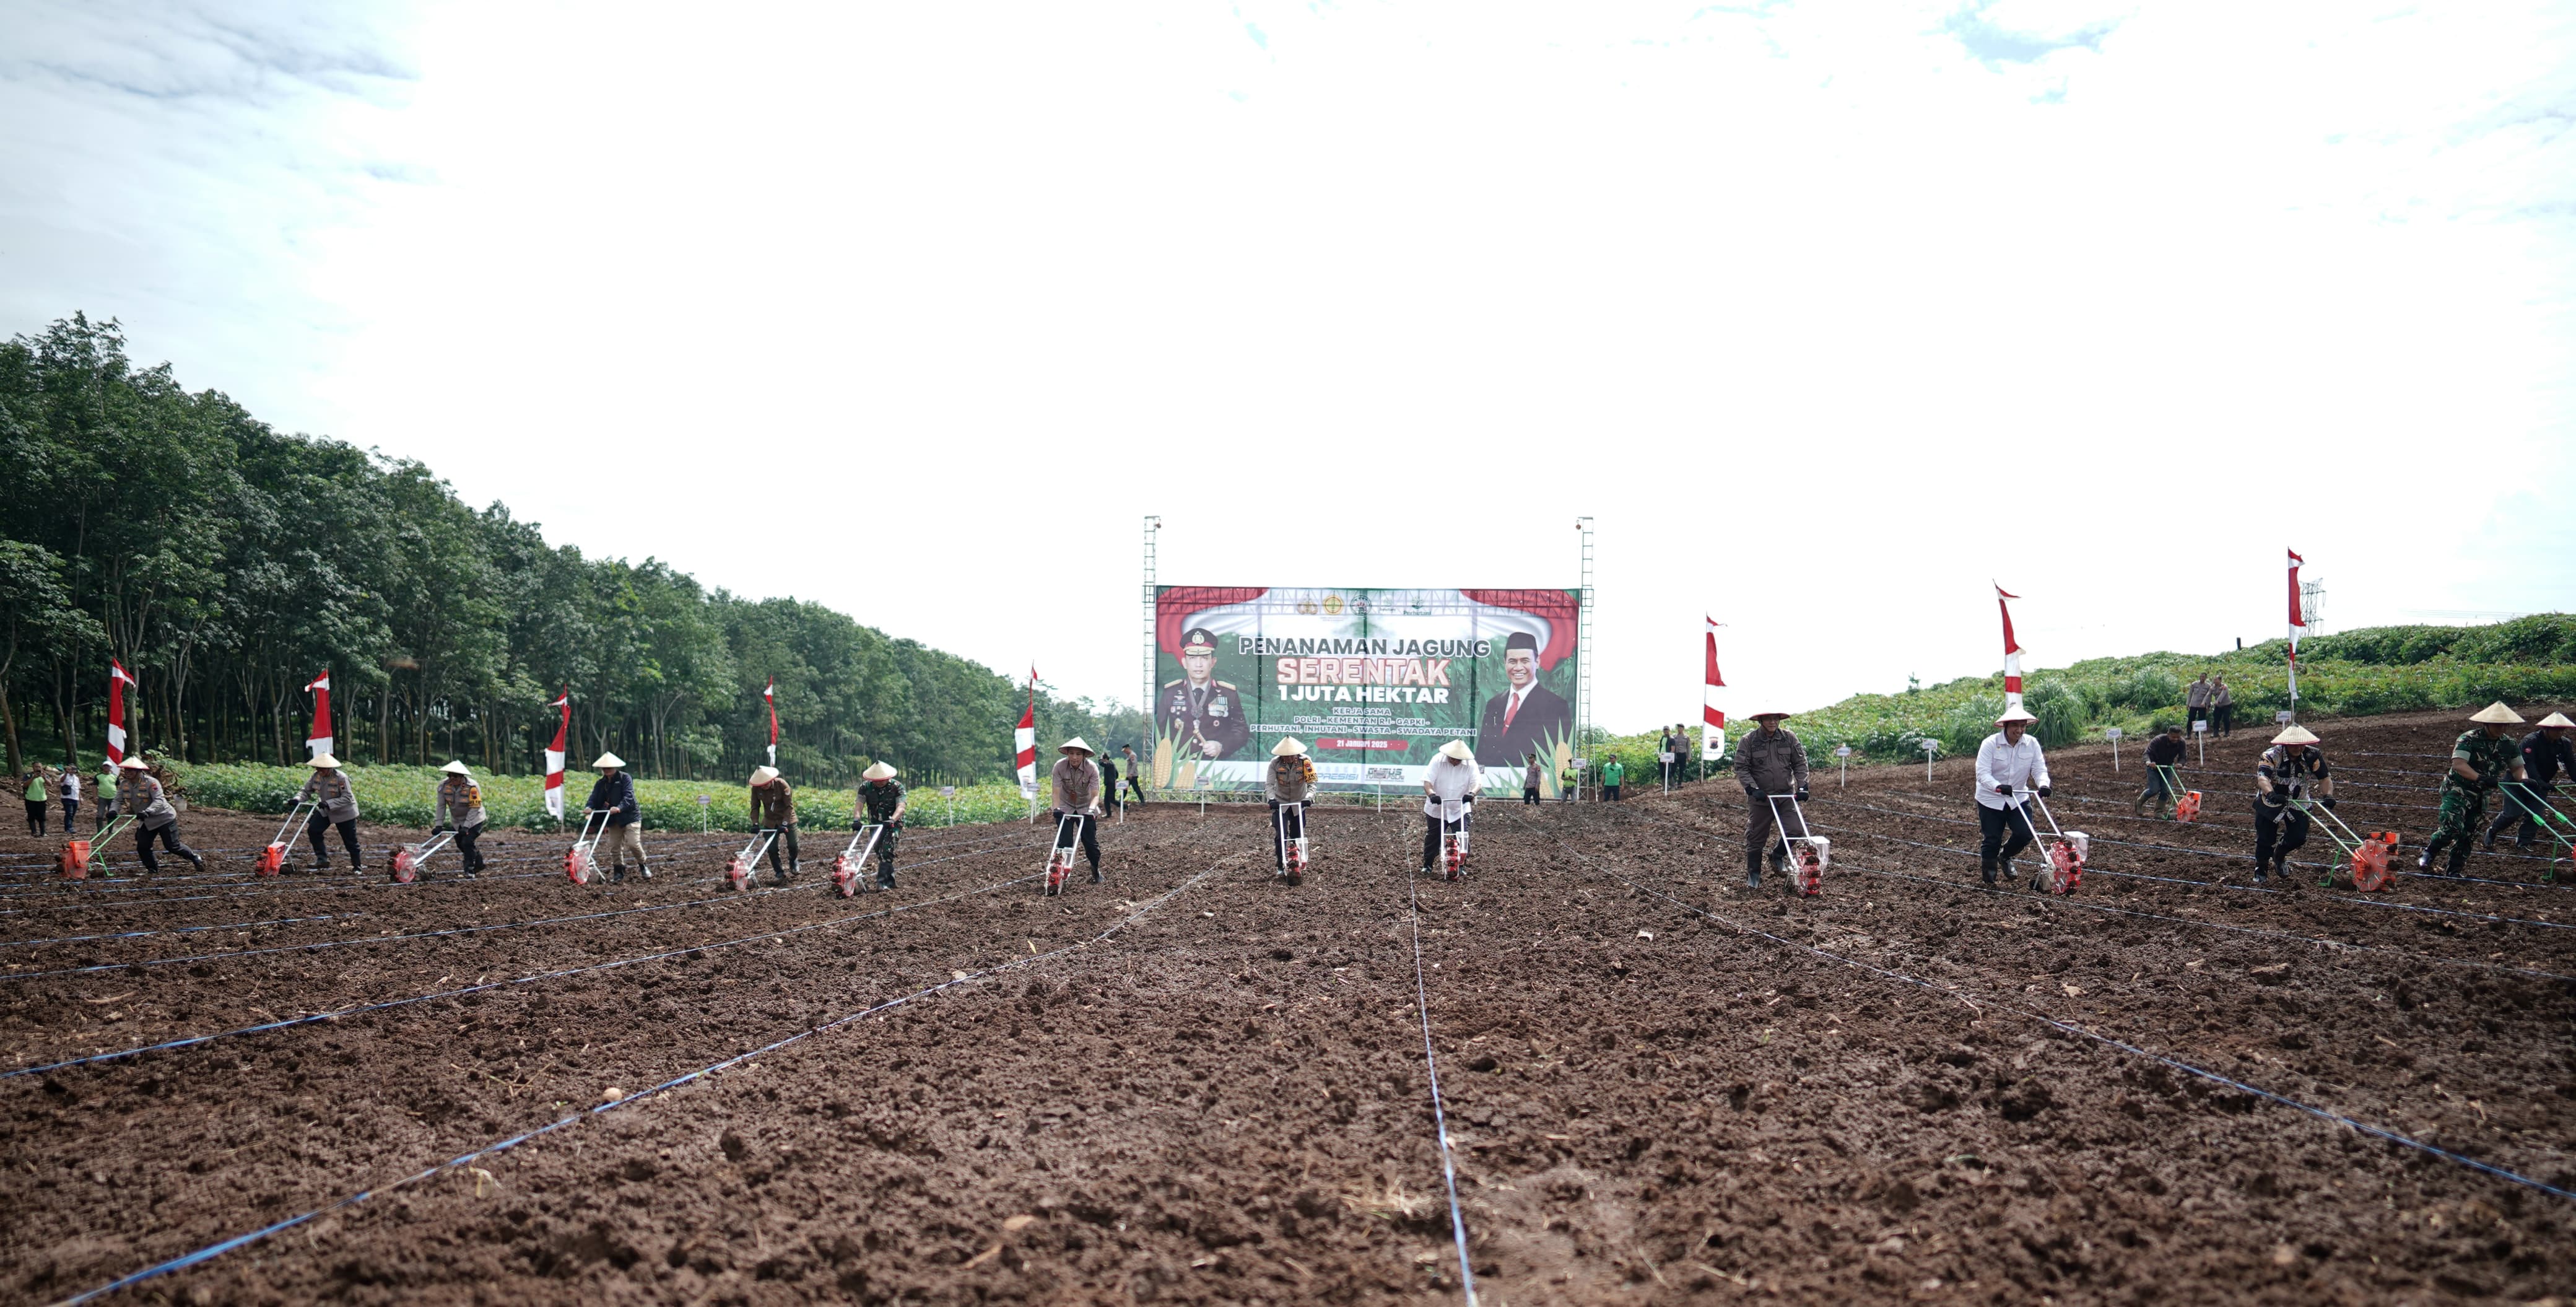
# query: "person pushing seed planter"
2164, 783
1075, 806
2010, 765
1449, 788
1289, 784
139, 794
456, 808
878, 818
622, 821
2481, 759
2290, 774
334, 804
2545, 752
2061, 869
1770, 760
773, 807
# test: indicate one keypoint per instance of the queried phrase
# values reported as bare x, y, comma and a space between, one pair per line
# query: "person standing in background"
107, 785
68, 785
1529, 780
36, 795
1668, 751
1135, 772
1109, 787
2195, 698
2222, 707
1612, 773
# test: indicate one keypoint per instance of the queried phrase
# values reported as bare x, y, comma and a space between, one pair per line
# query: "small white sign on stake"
1842, 754
949, 792
2112, 733
1930, 747
703, 801
2200, 732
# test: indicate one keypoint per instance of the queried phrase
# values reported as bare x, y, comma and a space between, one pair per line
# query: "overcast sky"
1827, 313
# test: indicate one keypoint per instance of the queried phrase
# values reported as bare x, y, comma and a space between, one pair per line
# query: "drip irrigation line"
179, 930
218, 1249
2231, 857
1439, 1115
2070, 901
1996, 1004
531, 978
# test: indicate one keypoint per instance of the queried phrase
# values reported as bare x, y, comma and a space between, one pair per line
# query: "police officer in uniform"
1206, 713
2293, 769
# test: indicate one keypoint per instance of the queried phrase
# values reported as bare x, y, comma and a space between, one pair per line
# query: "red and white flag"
318, 740
1712, 731
769, 695
1025, 740
117, 679
2012, 654
2298, 623
555, 758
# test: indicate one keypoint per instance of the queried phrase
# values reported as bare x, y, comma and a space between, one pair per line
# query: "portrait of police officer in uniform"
1206, 713
1521, 719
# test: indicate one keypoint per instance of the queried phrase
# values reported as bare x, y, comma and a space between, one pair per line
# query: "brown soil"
1717, 1094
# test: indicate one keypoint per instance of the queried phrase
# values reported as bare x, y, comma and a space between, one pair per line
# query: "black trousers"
348, 840
1530, 795
1136, 787
1431, 833
2222, 718
1610, 792
2530, 796
2278, 832
35, 819
2005, 833
787, 837
465, 848
169, 837
1086, 829
1291, 817
1759, 823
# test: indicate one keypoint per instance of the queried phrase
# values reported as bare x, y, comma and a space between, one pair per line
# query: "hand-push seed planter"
1293, 849
272, 859
77, 854
2186, 802
577, 860
1809, 854
2063, 851
1060, 856
1453, 837
738, 872
854, 859
2367, 855
409, 859
2533, 801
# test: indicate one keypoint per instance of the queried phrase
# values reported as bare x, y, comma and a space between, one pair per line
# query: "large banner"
1374, 681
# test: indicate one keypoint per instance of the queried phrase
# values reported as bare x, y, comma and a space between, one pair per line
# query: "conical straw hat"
2496, 714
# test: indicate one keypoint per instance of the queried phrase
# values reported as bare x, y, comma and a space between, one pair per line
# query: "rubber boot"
2424, 860
1095, 873
2262, 871
644, 870
1779, 859
2459, 859
617, 874
885, 871
1753, 873
1986, 868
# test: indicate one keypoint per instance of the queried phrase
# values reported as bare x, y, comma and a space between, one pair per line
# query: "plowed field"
1196, 1084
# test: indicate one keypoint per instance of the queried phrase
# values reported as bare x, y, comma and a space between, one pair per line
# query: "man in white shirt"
1453, 777
2010, 768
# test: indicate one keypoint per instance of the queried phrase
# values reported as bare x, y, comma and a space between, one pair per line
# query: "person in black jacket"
2545, 753
2164, 752
1109, 786
614, 793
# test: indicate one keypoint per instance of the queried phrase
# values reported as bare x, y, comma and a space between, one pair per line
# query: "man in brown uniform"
1769, 760
1076, 794
773, 807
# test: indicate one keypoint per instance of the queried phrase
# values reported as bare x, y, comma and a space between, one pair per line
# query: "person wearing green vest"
1611, 774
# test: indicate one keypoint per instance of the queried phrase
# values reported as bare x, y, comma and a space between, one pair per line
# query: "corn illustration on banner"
1374, 681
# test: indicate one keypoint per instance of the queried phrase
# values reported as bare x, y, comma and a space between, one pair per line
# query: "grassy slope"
2373, 670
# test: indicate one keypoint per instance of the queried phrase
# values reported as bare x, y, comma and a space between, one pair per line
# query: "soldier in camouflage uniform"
881, 803
1207, 714
2481, 760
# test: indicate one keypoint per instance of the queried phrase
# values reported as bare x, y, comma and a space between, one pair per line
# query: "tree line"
225, 564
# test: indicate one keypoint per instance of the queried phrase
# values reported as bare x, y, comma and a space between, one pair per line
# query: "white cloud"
1827, 318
